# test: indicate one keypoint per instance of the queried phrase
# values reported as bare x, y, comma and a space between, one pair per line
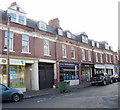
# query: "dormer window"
106, 47
18, 8
97, 44
60, 32
68, 34
21, 19
84, 39
13, 17
93, 43
42, 26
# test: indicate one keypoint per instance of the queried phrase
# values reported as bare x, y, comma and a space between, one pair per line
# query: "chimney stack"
54, 23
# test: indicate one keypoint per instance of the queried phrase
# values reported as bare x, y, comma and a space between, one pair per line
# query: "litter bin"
64, 86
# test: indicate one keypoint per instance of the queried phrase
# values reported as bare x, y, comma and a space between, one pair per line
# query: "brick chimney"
13, 4
54, 23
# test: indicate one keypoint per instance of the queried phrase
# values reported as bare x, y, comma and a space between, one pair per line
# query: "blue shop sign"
72, 65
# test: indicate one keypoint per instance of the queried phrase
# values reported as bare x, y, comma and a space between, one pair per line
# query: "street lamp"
8, 49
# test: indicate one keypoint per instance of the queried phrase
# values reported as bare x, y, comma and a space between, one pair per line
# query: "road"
90, 97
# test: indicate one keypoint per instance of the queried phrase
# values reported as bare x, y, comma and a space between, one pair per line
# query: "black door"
46, 75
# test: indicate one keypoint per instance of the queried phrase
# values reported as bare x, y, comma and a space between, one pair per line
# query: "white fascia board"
47, 61
98, 51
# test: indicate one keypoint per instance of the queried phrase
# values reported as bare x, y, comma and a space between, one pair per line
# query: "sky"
97, 18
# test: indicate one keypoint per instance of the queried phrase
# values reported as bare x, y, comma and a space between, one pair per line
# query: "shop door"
46, 75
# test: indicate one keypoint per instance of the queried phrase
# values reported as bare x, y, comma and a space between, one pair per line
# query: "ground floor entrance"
46, 75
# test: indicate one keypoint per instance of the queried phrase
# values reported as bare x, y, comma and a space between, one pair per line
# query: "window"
25, 43
101, 59
97, 44
64, 51
60, 32
96, 57
68, 34
21, 19
73, 52
10, 40
84, 39
46, 48
106, 58
93, 43
83, 54
89, 56
110, 58
13, 17
42, 26
106, 47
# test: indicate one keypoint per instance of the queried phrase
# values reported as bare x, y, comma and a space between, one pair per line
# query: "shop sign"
3, 61
99, 66
69, 65
17, 62
109, 66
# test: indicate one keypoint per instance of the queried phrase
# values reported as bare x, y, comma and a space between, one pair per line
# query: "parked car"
7, 93
115, 78
101, 78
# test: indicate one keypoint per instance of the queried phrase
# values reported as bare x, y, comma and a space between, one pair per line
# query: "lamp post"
8, 50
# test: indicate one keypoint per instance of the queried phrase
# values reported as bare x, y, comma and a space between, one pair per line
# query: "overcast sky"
97, 18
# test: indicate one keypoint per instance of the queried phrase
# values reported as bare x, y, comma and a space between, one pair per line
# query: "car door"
5, 93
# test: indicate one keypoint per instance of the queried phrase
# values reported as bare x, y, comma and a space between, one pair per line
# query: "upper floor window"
101, 58
83, 54
25, 43
21, 19
64, 53
42, 26
93, 43
97, 44
106, 58
60, 32
110, 58
114, 59
106, 46
68, 34
89, 56
46, 48
10, 40
96, 57
84, 39
73, 52
13, 17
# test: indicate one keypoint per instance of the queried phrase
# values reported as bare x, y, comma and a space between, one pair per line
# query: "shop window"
10, 40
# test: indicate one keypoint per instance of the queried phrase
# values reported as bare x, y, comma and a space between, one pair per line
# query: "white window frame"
83, 39
64, 51
96, 55
13, 18
106, 57
10, 40
97, 44
110, 59
69, 35
83, 54
73, 52
93, 43
23, 40
101, 58
60, 32
42, 26
46, 48
19, 19
89, 55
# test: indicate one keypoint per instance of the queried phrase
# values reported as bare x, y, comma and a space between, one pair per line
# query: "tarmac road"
90, 97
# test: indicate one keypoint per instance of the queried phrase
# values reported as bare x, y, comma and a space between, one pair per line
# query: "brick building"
41, 54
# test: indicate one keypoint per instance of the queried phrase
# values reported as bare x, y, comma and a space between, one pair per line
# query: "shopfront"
69, 72
109, 69
17, 72
99, 68
86, 72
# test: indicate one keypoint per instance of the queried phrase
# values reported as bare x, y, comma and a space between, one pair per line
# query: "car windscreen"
96, 75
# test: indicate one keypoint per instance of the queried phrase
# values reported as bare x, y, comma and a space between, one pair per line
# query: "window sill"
73, 58
26, 52
9, 50
64, 57
47, 55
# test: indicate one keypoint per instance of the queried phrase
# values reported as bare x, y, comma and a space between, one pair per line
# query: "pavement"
50, 91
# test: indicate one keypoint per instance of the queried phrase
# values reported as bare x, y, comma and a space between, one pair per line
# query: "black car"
101, 78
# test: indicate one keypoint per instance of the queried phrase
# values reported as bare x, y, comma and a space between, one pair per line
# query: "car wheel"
111, 81
16, 97
104, 82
